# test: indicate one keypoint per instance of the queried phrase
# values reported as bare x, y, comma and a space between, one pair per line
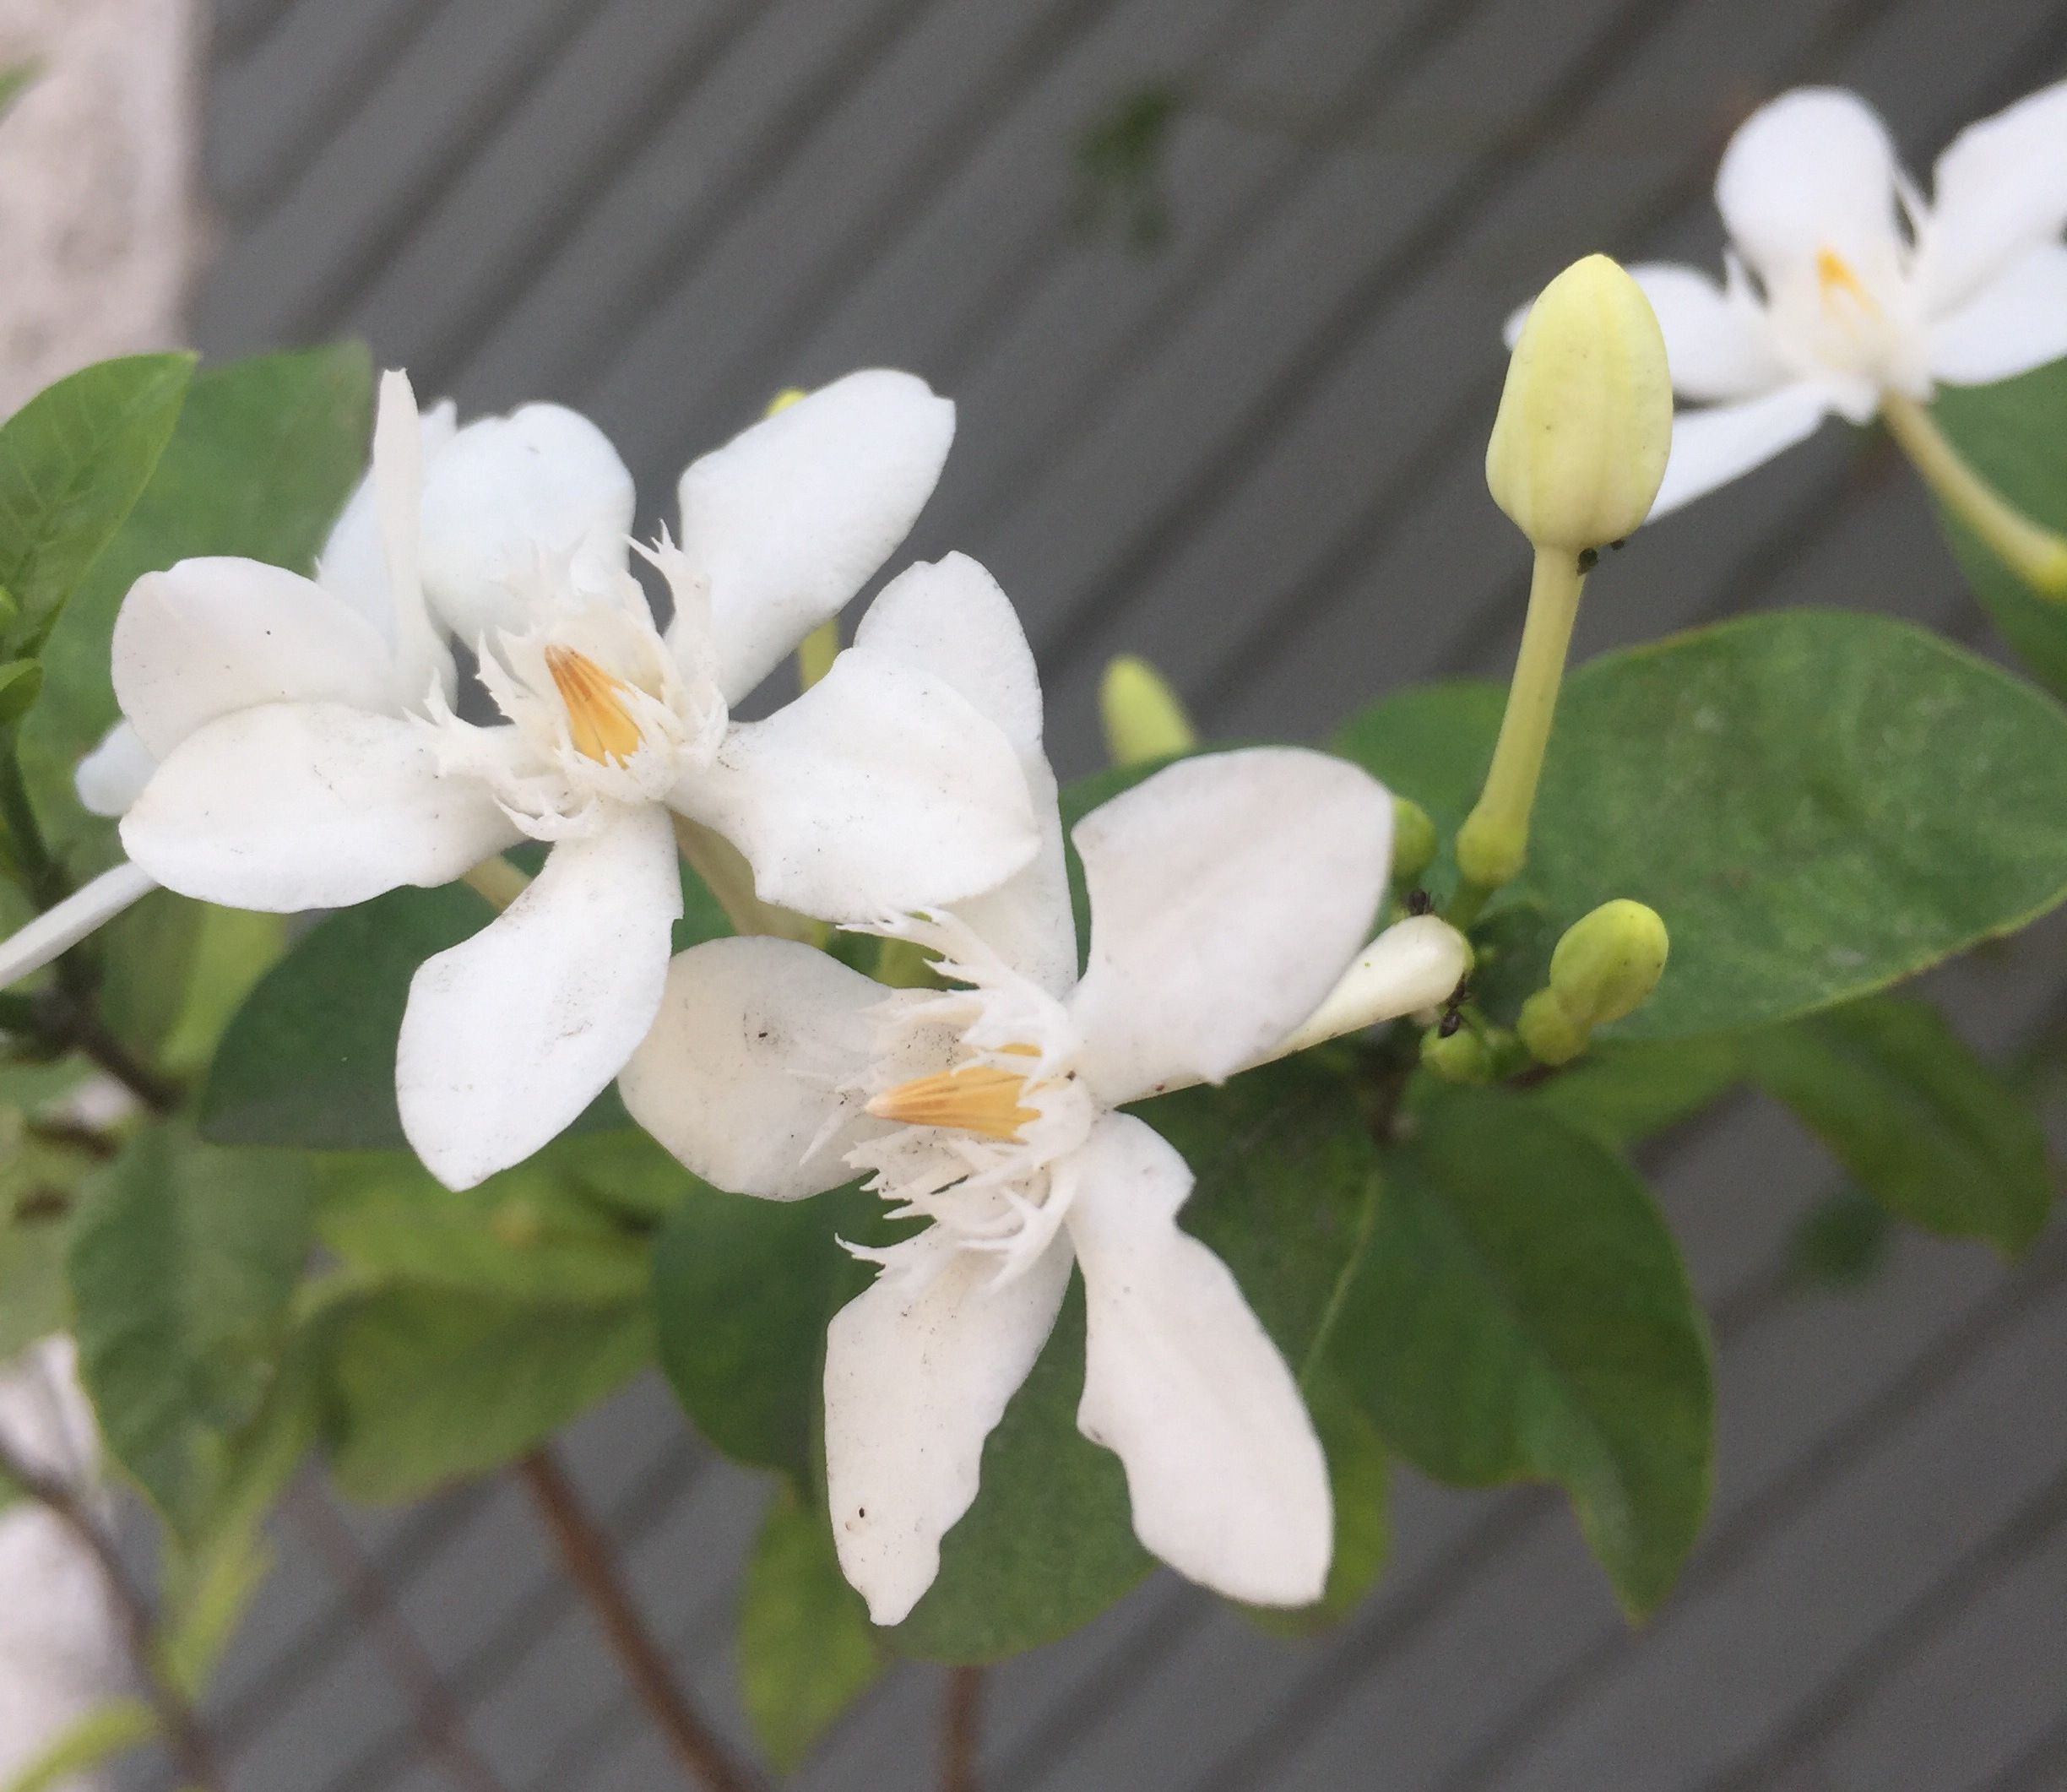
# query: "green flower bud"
1608, 963
1462, 1058
1413, 842
1585, 422
1143, 719
1548, 1031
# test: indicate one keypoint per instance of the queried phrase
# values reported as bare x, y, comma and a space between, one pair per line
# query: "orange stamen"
978, 1098
598, 721
1834, 275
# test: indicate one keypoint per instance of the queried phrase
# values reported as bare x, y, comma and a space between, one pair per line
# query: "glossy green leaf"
1285, 1174
309, 1059
1520, 1313
1360, 1474
530, 1232
432, 1385
1432, 743
182, 1261
806, 1648
264, 455
1624, 1091
2015, 435
72, 460
742, 1290
1922, 1122
1819, 804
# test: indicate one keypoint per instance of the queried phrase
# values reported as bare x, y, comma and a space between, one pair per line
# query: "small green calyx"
1414, 843
1459, 1056
1585, 426
1143, 718
1605, 968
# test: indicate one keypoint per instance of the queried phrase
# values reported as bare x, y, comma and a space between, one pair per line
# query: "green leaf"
105, 1732
212, 1599
531, 1232
1819, 804
261, 460
1433, 744
72, 460
432, 1385
1624, 1091
1286, 1173
1520, 1313
1921, 1123
16, 79
2014, 435
21, 682
741, 1293
1360, 1473
1842, 1242
39, 1191
182, 1261
309, 1059
806, 1648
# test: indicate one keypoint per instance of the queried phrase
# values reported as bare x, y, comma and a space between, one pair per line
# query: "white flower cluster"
293, 744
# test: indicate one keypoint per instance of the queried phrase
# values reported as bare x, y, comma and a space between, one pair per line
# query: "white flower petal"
1711, 446
2016, 322
914, 1383
1228, 894
353, 562
113, 776
737, 1077
1999, 188
791, 518
1813, 170
1227, 1478
951, 618
508, 1036
1415, 963
880, 789
211, 637
308, 806
1717, 343
31, 946
504, 491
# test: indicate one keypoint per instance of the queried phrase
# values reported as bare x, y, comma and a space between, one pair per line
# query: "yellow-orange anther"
599, 720
1834, 275
978, 1098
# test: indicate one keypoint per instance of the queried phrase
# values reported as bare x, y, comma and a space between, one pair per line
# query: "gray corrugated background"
1254, 456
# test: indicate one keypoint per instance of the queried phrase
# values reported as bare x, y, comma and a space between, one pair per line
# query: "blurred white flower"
61, 1640
1228, 894
1844, 284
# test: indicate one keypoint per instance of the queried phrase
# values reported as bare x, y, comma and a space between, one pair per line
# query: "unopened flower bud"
1413, 842
1462, 1056
1608, 962
1548, 1031
1585, 423
1144, 720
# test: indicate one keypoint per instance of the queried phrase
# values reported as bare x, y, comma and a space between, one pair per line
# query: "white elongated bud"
1585, 424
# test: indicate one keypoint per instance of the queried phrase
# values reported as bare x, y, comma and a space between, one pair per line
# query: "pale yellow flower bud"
1413, 842
1143, 717
1604, 968
1585, 423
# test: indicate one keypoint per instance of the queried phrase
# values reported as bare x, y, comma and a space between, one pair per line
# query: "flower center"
1837, 281
978, 1097
599, 723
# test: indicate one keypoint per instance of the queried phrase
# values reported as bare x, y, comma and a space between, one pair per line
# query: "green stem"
1493, 844
2035, 554
723, 868
42, 875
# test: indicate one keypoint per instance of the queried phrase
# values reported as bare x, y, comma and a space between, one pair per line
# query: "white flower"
1844, 283
1228, 893
60, 1639
309, 761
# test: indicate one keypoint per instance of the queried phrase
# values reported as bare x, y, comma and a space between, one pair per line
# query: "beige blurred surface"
97, 220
